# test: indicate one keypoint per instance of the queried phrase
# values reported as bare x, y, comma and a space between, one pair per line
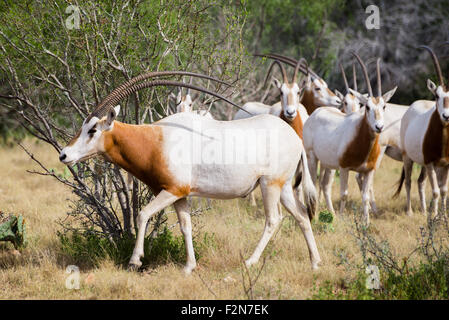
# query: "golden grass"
39, 272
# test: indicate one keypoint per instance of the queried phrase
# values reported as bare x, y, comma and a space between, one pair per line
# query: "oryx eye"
318, 89
91, 132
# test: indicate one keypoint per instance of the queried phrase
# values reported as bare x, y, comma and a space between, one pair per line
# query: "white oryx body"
424, 140
254, 107
288, 109
347, 142
189, 155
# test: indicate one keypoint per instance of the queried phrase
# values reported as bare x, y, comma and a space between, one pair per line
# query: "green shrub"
90, 248
427, 281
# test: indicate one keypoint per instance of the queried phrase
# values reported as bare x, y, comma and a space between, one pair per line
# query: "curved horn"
344, 77
284, 73
147, 75
365, 73
298, 64
354, 77
147, 84
446, 43
435, 63
379, 80
290, 61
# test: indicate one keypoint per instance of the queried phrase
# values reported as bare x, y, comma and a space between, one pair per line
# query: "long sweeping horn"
344, 77
291, 60
379, 80
148, 75
121, 94
354, 77
365, 73
284, 73
298, 64
435, 63
288, 60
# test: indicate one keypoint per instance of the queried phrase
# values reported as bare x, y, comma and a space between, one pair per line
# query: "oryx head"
89, 140
440, 91
290, 92
322, 95
374, 106
349, 102
184, 103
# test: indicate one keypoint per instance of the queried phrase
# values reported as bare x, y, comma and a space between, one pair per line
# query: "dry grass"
39, 272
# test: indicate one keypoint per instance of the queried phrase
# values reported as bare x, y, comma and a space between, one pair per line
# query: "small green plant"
324, 223
12, 229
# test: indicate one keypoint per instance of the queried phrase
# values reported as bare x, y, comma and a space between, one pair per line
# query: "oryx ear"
112, 114
301, 94
387, 96
309, 80
179, 97
277, 83
339, 94
431, 86
362, 98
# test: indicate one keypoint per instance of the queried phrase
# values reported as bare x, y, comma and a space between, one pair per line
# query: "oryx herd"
276, 147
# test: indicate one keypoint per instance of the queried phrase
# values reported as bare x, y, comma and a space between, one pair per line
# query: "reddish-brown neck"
308, 100
296, 123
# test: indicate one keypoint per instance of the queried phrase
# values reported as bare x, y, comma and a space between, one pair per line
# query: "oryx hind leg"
326, 186
270, 194
299, 212
183, 211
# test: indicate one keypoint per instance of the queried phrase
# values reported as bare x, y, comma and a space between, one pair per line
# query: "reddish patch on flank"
138, 150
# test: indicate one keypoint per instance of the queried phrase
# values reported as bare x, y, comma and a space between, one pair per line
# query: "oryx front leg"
435, 189
408, 166
344, 173
422, 189
366, 186
162, 200
183, 210
270, 195
359, 177
252, 199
